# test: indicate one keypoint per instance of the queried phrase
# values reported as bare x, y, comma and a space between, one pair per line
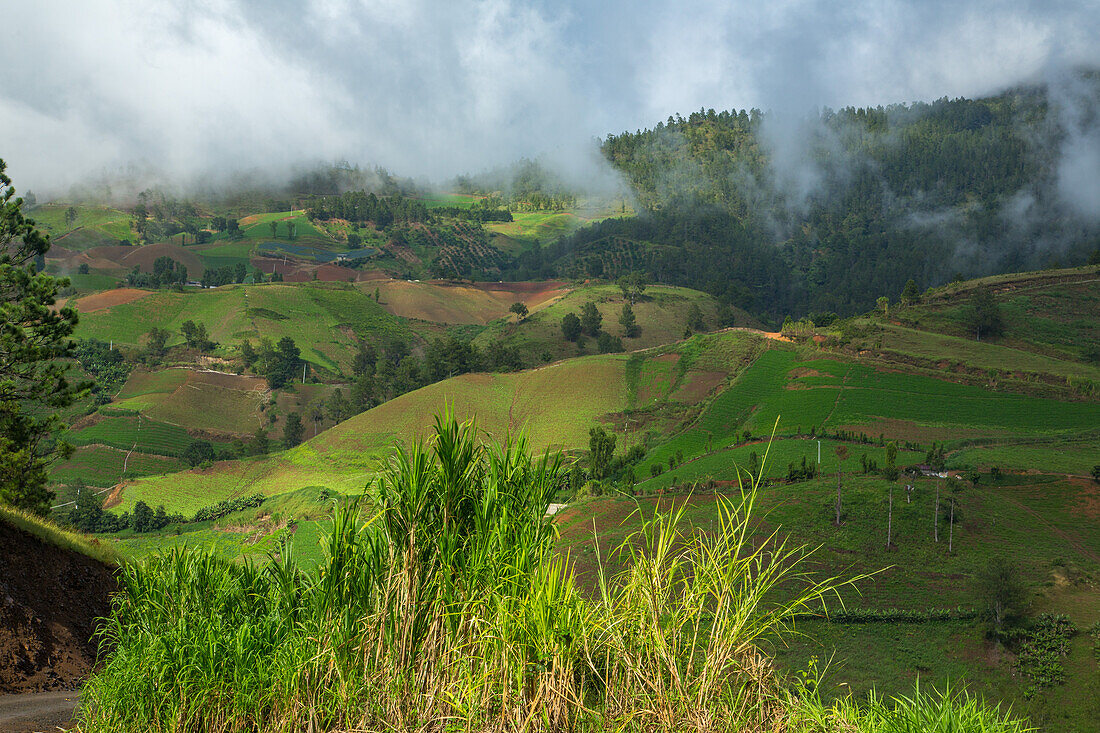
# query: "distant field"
827, 393
132, 431
725, 464
467, 304
662, 317
1076, 458
94, 225
320, 317
198, 400
100, 466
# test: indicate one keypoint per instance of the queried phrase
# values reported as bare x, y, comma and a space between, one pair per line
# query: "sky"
197, 89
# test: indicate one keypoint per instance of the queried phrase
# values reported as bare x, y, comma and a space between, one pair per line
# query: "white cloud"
436, 87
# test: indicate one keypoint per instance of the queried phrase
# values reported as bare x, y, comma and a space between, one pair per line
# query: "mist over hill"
826, 213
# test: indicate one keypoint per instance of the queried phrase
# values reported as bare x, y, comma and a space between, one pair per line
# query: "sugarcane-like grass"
442, 606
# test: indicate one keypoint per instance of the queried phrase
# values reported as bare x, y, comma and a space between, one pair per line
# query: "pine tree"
34, 348
626, 320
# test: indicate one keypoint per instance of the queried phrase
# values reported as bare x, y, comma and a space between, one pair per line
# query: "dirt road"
31, 712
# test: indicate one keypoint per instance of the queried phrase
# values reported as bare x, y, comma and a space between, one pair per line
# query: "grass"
324, 319
1042, 523
94, 225
52, 534
1077, 458
102, 467
448, 607
131, 431
662, 317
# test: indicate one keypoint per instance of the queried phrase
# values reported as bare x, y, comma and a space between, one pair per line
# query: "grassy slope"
49, 532
94, 225
1032, 520
318, 316
662, 316
824, 392
1049, 325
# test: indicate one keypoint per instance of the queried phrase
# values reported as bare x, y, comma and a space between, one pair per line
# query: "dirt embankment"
50, 599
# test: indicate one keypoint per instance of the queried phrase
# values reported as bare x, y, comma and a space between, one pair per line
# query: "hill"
54, 597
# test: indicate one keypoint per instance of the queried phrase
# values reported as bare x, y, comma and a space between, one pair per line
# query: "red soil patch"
110, 298
804, 372
698, 385
49, 602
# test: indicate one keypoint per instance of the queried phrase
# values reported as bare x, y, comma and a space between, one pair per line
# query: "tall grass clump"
441, 605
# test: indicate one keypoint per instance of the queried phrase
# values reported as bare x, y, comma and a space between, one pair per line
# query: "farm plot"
132, 431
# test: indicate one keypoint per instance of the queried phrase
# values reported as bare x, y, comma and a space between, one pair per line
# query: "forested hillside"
825, 214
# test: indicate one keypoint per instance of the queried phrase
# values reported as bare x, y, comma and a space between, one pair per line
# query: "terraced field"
825, 393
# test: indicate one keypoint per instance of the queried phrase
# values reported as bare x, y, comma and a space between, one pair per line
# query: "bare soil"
50, 600
109, 298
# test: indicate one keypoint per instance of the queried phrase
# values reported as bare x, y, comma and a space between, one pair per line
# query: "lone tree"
570, 327
293, 430
629, 324
274, 229
1001, 595
884, 305
632, 285
520, 309
910, 294
70, 215
601, 446
591, 320
34, 349
985, 315
841, 453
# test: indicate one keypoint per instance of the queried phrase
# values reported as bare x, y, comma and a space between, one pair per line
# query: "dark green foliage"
570, 327
1002, 596
984, 316
695, 320
804, 471
1096, 473
362, 208
279, 364
106, 366
608, 344
34, 346
224, 275
601, 447
166, 271
248, 354
520, 309
196, 337
910, 294
900, 190
156, 342
83, 269
198, 451
628, 323
226, 507
590, 319
293, 430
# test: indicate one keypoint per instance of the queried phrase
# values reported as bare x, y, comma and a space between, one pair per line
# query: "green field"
102, 466
825, 393
94, 225
132, 431
662, 316
1034, 521
318, 316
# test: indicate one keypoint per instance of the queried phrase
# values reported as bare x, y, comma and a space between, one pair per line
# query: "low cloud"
196, 90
